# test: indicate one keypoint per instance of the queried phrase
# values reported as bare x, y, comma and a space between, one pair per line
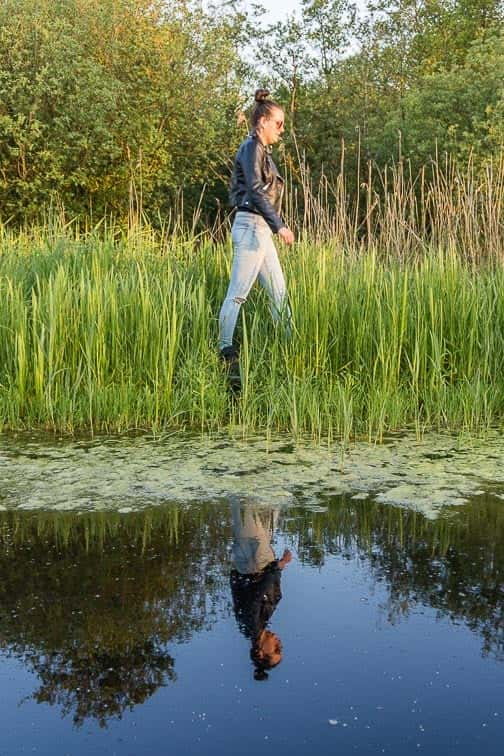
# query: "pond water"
213, 596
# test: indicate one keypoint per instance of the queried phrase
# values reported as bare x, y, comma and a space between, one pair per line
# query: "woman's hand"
287, 556
286, 235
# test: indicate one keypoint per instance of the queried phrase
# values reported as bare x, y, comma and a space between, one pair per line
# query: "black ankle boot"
230, 356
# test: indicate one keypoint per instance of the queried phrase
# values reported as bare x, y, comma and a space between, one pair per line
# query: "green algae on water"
130, 474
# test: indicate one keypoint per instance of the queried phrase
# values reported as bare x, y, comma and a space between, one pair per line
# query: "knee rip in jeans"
239, 300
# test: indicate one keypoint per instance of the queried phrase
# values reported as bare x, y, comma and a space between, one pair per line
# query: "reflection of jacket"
255, 598
256, 184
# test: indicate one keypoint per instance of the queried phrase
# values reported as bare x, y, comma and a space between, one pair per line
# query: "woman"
256, 193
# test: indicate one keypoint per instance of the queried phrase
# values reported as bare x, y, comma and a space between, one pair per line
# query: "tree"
105, 104
329, 25
459, 110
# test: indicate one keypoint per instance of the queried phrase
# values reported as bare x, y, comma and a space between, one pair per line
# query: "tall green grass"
103, 332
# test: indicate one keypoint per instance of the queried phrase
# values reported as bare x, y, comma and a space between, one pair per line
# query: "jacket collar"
267, 147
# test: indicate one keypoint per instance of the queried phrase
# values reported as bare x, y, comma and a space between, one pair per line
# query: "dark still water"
231, 627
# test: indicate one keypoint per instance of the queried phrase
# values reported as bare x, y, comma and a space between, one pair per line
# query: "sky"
279, 9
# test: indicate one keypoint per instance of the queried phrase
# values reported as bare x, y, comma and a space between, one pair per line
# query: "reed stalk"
400, 212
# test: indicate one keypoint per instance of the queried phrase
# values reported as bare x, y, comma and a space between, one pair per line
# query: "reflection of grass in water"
351, 523
94, 530
356, 524
106, 334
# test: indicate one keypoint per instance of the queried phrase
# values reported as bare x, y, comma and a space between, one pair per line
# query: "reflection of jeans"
254, 256
253, 528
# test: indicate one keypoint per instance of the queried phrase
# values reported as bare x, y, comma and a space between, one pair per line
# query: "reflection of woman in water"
255, 582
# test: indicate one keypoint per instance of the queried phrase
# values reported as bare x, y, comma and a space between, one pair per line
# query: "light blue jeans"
254, 257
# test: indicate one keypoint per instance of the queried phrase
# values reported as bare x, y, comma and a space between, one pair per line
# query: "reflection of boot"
229, 355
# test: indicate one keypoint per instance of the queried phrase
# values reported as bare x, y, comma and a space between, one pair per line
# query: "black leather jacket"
256, 185
255, 598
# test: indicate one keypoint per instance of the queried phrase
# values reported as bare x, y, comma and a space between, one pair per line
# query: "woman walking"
256, 193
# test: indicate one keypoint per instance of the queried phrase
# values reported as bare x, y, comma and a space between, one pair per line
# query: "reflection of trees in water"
101, 685
91, 603
454, 564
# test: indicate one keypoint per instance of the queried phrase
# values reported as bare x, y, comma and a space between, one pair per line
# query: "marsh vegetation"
110, 334
114, 257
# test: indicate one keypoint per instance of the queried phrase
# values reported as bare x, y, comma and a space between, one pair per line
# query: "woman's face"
271, 648
271, 127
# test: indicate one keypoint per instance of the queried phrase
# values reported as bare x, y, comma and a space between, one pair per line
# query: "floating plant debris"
133, 473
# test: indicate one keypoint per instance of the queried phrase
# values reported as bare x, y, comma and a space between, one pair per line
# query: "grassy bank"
105, 333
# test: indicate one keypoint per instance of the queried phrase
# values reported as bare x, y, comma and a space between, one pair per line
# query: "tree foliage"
412, 78
116, 106
105, 102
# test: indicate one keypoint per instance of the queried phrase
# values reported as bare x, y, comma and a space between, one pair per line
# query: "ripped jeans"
254, 257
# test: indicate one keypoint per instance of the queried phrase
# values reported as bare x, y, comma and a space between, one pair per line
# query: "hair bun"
261, 95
